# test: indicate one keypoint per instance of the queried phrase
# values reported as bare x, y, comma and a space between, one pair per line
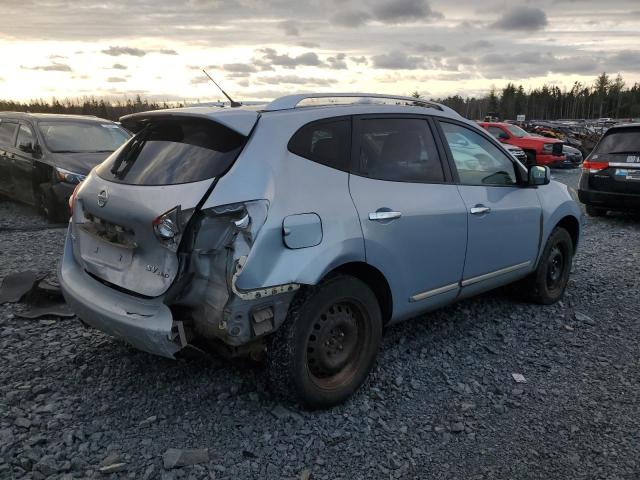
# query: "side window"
497, 132
399, 149
325, 142
25, 136
478, 161
7, 133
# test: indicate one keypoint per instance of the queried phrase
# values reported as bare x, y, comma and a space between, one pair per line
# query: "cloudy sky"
262, 49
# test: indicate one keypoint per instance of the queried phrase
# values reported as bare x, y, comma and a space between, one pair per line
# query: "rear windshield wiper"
130, 154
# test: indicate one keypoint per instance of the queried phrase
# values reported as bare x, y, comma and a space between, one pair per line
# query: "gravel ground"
441, 402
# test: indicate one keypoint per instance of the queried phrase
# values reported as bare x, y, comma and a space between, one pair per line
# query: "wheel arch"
571, 225
374, 279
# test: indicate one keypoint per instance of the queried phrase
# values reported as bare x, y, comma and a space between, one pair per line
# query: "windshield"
76, 137
621, 141
517, 131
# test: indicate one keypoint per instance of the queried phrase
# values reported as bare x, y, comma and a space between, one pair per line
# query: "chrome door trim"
487, 276
479, 210
431, 293
384, 215
624, 165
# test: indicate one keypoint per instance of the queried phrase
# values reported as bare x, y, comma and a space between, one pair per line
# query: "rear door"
23, 166
504, 217
169, 166
617, 162
413, 218
8, 132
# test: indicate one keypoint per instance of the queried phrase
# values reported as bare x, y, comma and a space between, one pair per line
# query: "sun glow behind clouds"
261, 50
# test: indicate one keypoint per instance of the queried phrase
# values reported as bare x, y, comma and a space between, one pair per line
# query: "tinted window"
68, 136
25, 136
399, 150
326, 142
478, 161
7, 133
170, 152
497, 132
622, 141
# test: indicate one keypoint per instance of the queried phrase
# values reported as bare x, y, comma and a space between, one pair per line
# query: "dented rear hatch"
127, 209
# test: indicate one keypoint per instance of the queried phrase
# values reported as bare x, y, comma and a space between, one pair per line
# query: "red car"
539, 150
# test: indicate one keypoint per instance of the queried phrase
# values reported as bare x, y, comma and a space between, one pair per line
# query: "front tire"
548, 283
327, 345
48, 206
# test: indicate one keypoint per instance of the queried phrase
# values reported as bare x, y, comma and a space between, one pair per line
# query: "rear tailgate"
617, 162
622, 175
116, 242
170, 165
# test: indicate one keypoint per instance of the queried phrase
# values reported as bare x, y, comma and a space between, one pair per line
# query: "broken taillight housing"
72, 199
170, 226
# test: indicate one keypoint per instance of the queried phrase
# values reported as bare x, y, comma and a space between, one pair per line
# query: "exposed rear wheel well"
376, 282
571, 225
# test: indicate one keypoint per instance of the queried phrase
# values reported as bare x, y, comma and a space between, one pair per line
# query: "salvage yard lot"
441, 402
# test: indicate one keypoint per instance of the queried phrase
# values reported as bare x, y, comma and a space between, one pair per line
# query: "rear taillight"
72, 199
594, 166
169, 226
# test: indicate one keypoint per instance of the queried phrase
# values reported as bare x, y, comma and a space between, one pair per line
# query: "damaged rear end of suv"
151, 259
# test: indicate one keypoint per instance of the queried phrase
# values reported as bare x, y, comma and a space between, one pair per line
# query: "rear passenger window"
7, 133
325, 142
399, 149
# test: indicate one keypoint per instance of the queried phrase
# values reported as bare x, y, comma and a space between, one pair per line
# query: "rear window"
170, 152
327, 142
622, 141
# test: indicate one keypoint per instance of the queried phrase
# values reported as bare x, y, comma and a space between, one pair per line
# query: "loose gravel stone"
455, 413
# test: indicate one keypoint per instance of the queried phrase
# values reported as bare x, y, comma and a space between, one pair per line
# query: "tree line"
606, 97
99, 107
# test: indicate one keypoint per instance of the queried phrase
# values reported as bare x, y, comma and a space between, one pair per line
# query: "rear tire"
548, 283
327, 345
595, 211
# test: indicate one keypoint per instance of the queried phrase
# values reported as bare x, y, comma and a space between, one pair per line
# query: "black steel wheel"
548, 282
325, 349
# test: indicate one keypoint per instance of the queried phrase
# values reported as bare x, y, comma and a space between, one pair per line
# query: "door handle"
479, 210
382, 215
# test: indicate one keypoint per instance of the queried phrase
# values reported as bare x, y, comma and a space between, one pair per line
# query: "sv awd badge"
156, 271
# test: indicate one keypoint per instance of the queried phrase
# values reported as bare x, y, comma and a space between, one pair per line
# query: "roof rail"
289, 102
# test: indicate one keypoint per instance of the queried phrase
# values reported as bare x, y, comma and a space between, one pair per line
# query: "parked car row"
43, 157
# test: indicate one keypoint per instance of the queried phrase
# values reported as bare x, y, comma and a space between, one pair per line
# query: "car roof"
51, 117
496, 124
242, 119
624, 125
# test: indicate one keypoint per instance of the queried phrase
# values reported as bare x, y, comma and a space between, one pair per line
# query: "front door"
8, 132
23, 165
413, 218
504, 215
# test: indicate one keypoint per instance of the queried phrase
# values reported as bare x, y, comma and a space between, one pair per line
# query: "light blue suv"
303, 227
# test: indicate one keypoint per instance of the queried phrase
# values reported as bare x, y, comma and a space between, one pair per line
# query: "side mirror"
27, 147
539, 175
503, 136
